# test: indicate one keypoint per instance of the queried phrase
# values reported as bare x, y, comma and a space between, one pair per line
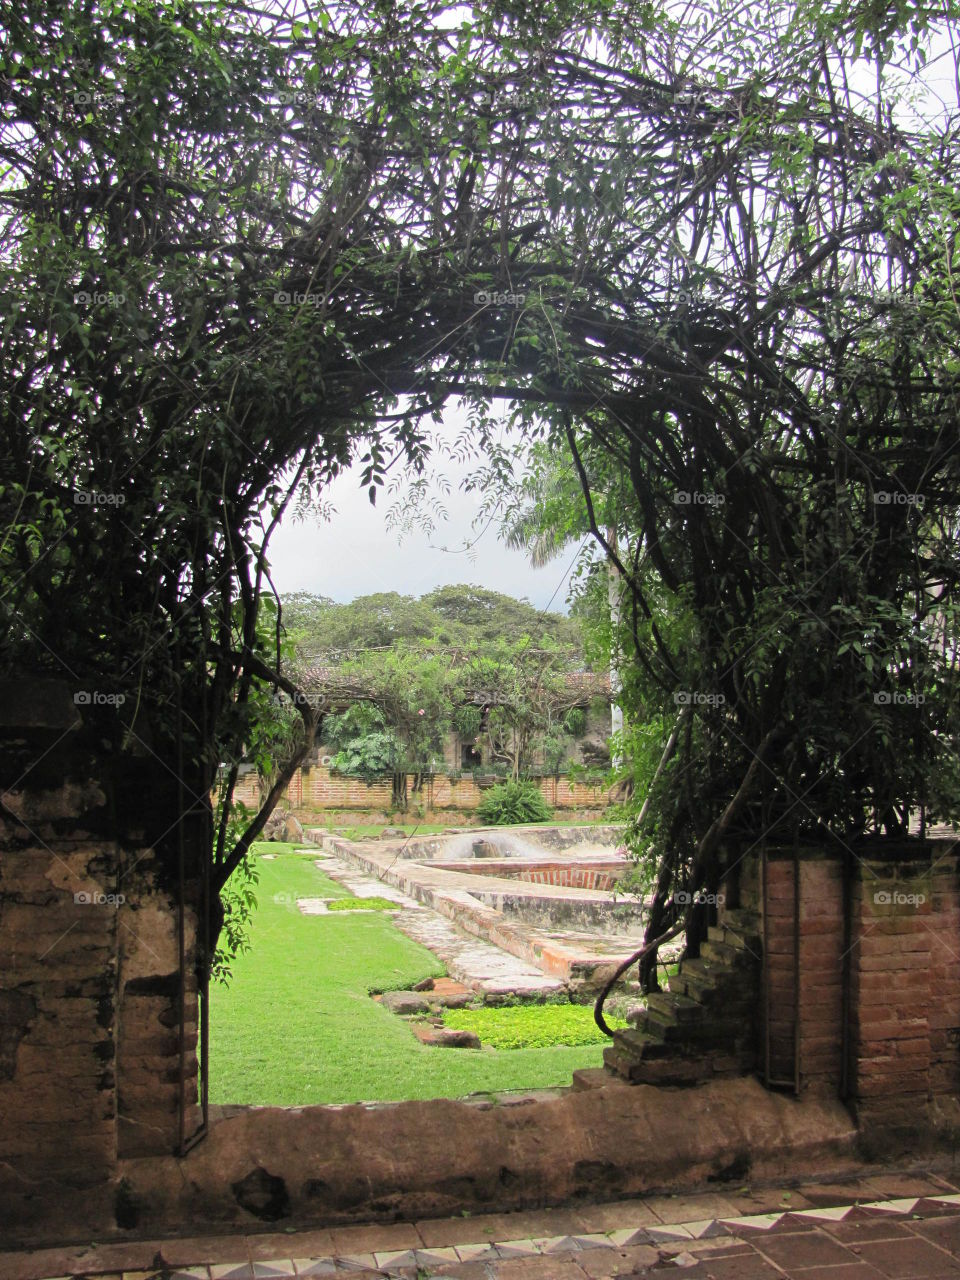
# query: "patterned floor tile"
706, 1229
436, 1257
476, 1252
629, 1237
275, 1267
315, 1266
357, 1262
557, 1244
892, 1206
596, 1240
665, 1233
516, 1249
395, 1258
752, 1222
837, 1214
232, 1271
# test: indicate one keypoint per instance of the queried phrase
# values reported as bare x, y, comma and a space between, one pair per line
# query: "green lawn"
297, 1025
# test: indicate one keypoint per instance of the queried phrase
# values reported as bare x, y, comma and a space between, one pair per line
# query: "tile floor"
881, 1227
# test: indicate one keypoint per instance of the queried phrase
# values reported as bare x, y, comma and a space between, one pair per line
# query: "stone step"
642, 1044
590, 1078
740, 939
729, 957
721, 953
621, 1064
702, 974
676, 1008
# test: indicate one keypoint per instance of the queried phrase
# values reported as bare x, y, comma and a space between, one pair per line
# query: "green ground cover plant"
363, 904
296, 1025
531, 1026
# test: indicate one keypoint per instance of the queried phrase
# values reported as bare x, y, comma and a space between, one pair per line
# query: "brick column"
89, 966
896, 929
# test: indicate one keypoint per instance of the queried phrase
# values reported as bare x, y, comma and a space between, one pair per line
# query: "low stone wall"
316, 791
408, 1160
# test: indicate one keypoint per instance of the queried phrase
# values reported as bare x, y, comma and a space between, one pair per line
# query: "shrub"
512, 802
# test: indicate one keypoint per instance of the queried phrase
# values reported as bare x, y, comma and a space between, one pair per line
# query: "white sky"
355, 554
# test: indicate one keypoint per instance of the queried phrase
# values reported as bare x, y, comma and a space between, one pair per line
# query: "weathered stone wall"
89, 962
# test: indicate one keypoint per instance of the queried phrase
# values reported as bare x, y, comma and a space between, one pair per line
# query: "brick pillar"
89, 966
804, 966
895, 931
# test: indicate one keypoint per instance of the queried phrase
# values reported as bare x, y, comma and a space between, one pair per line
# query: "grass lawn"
297, 1025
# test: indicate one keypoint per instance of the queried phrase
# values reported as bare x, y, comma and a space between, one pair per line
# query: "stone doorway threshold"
906, 1224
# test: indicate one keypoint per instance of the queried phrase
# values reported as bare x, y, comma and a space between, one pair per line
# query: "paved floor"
882, 1227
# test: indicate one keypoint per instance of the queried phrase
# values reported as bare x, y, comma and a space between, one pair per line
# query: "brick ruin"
836, 977
830, 972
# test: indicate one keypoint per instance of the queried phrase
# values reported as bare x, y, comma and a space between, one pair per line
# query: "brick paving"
842, 1231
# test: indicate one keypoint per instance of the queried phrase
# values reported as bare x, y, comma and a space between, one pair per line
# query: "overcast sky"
355, 554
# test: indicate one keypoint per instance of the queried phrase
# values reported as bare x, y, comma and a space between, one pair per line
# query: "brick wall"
809, 1012
316, 790
900, 960
905, 1006
89, 964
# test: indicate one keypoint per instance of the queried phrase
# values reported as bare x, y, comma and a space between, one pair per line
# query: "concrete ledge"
316, 1166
